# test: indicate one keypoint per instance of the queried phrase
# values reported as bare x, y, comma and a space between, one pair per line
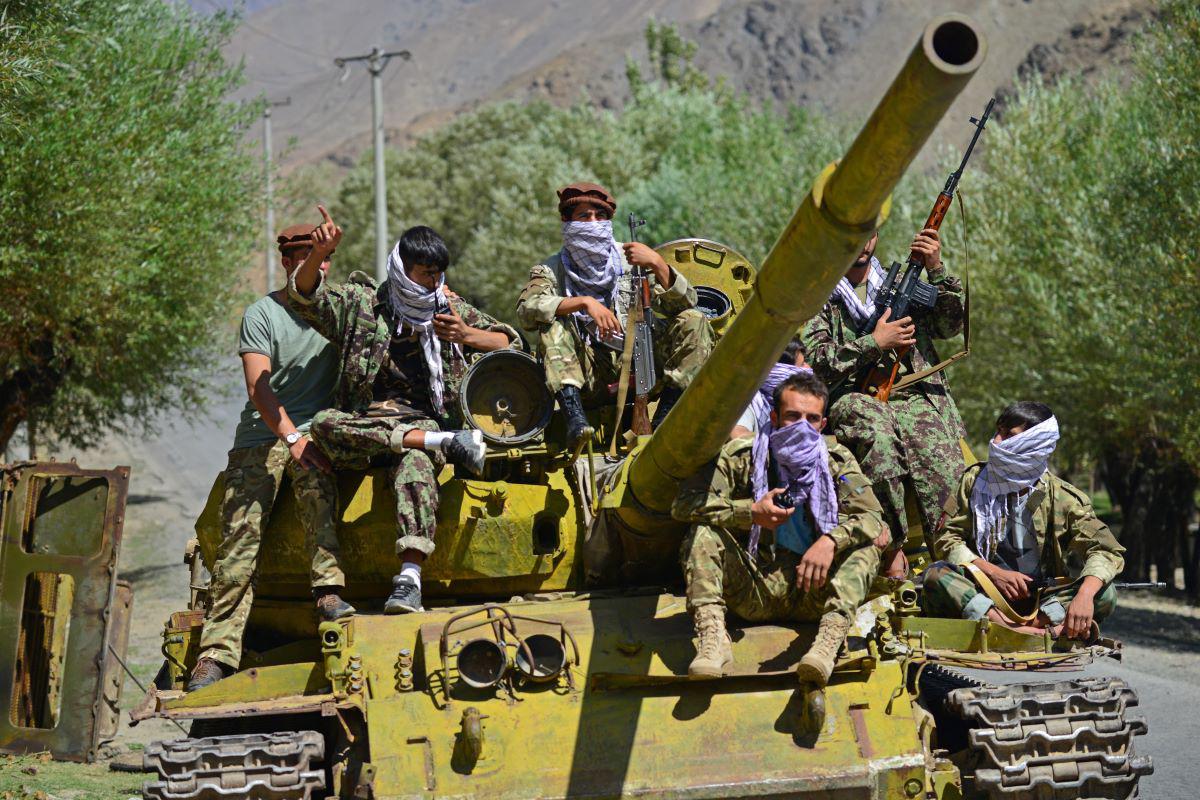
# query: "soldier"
575, 302
402, 349
816, 560
1022, 526
916, 433
290, 372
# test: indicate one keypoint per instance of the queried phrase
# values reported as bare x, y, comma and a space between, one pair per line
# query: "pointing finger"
325, 214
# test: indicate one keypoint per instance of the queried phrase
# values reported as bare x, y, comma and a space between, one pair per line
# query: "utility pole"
271, 257
377, 61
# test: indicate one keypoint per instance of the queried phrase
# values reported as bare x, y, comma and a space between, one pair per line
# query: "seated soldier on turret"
401, 348
1015, 529
767, 563
576, 301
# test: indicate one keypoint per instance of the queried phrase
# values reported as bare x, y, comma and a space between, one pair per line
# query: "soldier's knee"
323, 422
938, 570
856, 408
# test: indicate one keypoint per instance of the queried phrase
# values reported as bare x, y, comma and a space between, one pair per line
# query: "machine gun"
906, 293
638, 327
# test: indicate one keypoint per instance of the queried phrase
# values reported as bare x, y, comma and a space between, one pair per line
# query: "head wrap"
1013, 465
859, 312
806, 461
592, 263
577, 194
414, 306
295, 236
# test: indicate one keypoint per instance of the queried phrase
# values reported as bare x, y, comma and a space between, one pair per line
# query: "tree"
126, 213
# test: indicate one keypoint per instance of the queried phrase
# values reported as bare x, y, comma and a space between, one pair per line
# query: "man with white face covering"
576, 303
402, 347
1023, 528
812, 560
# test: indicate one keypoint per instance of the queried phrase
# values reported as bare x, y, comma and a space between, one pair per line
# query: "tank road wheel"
1053, 741
268, 766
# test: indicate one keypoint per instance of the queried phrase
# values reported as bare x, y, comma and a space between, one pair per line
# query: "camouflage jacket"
719, 495
351, 315
540, 298
1071, 540
837, 353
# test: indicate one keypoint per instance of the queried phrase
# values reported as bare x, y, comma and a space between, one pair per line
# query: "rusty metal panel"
60, 537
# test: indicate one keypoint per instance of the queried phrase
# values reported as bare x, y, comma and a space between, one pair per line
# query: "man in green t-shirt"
290, 372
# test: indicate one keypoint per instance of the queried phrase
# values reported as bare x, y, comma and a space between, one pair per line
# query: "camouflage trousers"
905, 437
681, 345
354, 441
252, 481
720, 571
950, 592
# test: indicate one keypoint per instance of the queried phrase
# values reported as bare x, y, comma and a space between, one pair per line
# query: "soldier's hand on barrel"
644, 256
309, 456
890, 334
927, 248
450, 327
327, 235
815, 565
607, 323
764, 512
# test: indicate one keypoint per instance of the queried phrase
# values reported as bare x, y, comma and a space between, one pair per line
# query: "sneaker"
207, 672
331, 607
466, 449
405, 597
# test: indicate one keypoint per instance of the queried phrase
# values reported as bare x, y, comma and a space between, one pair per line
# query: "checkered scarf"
859, 312
414, 306
592, 261
764, 445
1013, 465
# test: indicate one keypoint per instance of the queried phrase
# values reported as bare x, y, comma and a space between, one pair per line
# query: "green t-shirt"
303, 367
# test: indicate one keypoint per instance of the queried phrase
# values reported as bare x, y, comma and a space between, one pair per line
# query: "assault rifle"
1124, 586
638, 326
907, 294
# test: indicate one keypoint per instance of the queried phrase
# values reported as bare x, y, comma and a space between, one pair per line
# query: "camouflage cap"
593, 194
295, 236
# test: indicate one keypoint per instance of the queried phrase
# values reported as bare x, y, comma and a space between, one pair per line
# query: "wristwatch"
293, 437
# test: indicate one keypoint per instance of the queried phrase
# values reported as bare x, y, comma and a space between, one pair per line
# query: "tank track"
1053, 741
270, 766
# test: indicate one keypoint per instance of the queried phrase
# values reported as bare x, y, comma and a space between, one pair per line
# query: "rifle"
638, 326
907, 294
1124, 586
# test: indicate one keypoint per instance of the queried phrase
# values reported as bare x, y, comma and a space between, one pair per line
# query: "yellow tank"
541, 670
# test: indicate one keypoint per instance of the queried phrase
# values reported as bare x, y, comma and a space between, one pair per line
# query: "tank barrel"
826, 233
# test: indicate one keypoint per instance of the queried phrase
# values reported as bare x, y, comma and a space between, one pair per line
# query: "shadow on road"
1159, 629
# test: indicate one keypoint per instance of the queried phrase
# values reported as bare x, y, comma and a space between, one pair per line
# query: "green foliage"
1085, 286
126, 218
670, 57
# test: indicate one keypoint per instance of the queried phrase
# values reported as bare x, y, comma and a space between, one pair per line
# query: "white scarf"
414, 306
859, 312
592, 265
1014, 465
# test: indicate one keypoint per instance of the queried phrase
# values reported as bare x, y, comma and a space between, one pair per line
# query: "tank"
552, 663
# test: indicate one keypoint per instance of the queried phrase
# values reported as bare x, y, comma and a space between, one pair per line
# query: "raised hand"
927, 248
450, 327
326, 236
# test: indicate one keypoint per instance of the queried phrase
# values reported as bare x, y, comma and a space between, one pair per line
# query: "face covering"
1014, 465
592, 262
860, 313
414, 306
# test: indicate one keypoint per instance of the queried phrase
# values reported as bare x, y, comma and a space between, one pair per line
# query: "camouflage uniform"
916, 433
355, 317
1071, 541
720, 570
252, 482
683, 337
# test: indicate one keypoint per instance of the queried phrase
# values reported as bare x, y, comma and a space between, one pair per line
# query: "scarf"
803, 459
1014, 465
859, 312
414, 306
592, 264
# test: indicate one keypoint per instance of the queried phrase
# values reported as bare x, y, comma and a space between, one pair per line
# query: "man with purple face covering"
576, 303
809, 559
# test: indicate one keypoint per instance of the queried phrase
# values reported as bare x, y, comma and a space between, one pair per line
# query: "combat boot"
714, 651
207, 672
817, 664
579, 430
666, 401
330, 605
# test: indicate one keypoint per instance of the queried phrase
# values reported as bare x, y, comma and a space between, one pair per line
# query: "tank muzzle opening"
955, 43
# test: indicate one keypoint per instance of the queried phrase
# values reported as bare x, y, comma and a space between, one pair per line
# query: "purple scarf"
802, 471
